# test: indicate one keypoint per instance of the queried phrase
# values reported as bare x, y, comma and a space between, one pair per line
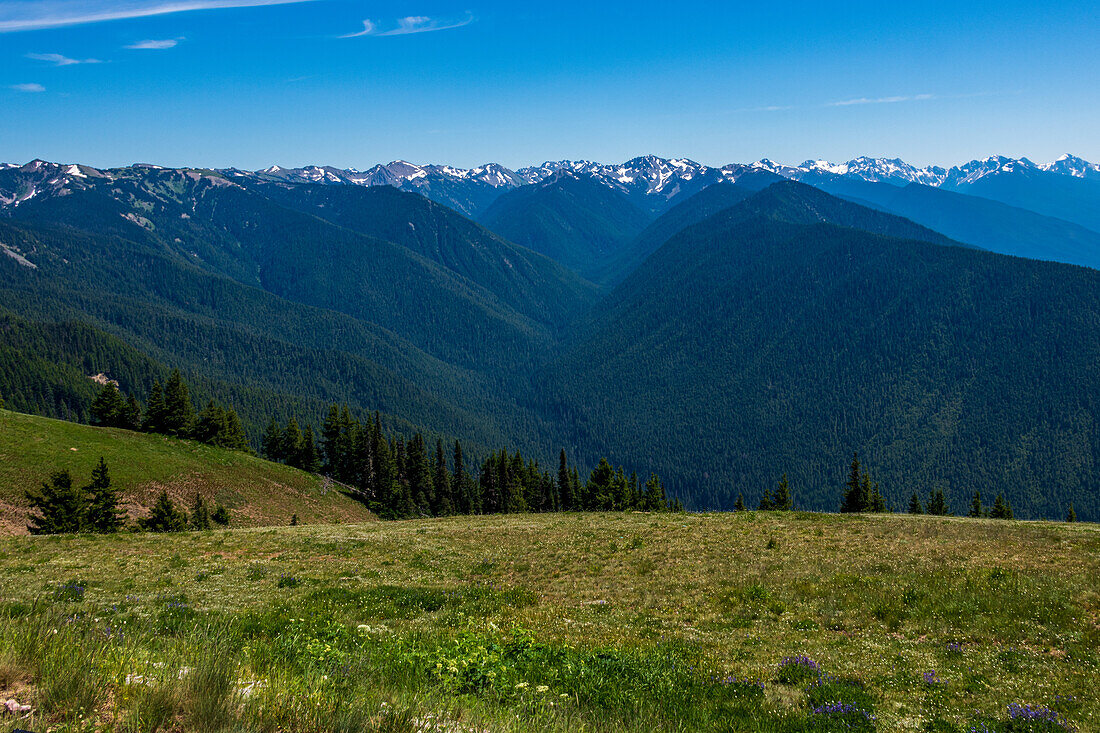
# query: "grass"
257, 492
560, 622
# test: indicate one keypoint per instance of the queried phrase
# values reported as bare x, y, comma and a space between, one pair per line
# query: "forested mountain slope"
795, 328
692, 210
579, 222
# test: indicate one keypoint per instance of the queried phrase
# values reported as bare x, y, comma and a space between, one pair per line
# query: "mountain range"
719, 325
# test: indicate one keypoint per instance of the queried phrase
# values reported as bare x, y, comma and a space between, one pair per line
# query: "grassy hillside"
576, 622
256, 491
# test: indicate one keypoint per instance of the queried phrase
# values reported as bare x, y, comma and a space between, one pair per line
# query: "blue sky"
248, 83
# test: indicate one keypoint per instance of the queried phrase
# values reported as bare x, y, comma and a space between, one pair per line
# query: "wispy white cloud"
58, 60
155, 45
881, 100
28, 87
411, 24
27, 15
368, 30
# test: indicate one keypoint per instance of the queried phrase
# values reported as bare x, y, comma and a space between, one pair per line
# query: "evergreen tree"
164, 516
654, 499
783, 501
61, 508
600, 487
271, 443
878, 502
155, 411
462, 485
976, 506
290, 444
220, 515
200, 515
419, 474
767, 502
233, 436
915, 505
1001, 508
1071, 516
856, 499
309, 458
565, 484
441, 479
103, 512
293, 520
109, 408
132, 414
739, 505
179, 413
937, 504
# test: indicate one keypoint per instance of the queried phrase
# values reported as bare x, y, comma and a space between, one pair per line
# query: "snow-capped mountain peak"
1071, 165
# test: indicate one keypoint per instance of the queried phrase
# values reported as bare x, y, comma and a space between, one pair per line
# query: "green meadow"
580, 622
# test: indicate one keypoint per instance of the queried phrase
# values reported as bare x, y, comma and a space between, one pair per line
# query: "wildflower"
521, 685
541, 688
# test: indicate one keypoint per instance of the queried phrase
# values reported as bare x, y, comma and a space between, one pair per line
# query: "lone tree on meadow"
1071, 516
915, 507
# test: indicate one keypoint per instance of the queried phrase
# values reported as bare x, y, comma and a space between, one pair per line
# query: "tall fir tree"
739, 505
976, 506
109, 408
441, 480
783, 500
104, 515
179, 413
1001, 508
309, 458
878, 502
565, 484
271, 443
654, 499
1071, 515
463, 487
132, 414
854, 498
291, 443
155, 411
915, 506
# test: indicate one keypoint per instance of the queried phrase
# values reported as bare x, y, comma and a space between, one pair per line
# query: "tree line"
402, 477
62, 508
168, 410
862, 494
397, 477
